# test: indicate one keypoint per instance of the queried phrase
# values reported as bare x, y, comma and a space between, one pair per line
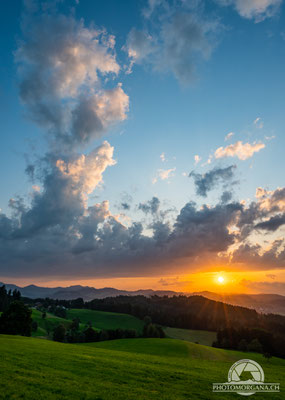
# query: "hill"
141, 369
106, 320
201, 337
47, 325
99, 320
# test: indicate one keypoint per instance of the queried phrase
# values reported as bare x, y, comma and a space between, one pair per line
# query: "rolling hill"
106, 320
141, 369
99, 320
201, 337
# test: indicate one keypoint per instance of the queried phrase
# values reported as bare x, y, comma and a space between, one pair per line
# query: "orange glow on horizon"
233, 282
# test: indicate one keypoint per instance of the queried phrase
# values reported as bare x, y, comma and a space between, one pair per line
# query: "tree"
255, 346
267, 355
91, 335
59, 333
242, 346
16, 320
75, 324
34, 326
147, 320
104, 335
44, 315
60, 312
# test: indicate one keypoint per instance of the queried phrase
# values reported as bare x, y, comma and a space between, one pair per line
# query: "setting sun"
221, 279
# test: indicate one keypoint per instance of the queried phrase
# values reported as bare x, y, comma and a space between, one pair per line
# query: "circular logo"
246, 372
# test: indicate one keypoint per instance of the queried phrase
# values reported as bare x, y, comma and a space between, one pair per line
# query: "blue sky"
232, 55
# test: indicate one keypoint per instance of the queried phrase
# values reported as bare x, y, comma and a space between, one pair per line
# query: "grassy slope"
51, 321
141, 369
202, 337
106, 320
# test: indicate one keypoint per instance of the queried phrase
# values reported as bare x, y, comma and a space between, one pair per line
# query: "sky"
142, 144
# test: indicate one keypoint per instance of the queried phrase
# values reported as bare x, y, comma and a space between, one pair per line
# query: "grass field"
48, 324
202, 337
106, 320
126, 369
99, 319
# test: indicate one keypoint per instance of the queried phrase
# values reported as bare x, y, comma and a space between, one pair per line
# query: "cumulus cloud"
208, 181
66, 185
60, 65
241, 150
183, 38
164, 174
60, 234
258, 10
271, 200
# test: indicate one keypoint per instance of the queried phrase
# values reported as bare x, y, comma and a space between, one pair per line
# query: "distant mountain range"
264, 303
86, 292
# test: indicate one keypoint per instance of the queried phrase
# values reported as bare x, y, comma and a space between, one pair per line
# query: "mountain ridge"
264, 303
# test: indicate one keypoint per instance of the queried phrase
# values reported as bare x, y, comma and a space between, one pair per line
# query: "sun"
221, 279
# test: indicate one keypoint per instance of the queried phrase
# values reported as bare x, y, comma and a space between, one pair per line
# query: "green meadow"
126, 369
201, 337
106, 320
99, 320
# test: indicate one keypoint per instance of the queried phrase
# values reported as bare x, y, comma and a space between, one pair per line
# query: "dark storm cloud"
208, 181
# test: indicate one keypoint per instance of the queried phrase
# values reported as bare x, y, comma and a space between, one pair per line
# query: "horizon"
220, 293
139, 149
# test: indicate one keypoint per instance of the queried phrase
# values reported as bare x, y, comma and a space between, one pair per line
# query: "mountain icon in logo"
246, 370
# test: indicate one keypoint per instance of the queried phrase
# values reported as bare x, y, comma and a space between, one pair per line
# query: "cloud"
258, 10
208, 181
139, 46
60, 234
255, 256
125, 206
60, 64
66, 186
197, 159
174, 282
272, 224
271, 200
241, 150
164, 174
178, 40
229, 135
152, 206
271, 276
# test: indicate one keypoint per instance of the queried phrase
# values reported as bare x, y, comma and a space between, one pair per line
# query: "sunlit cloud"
241, 150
